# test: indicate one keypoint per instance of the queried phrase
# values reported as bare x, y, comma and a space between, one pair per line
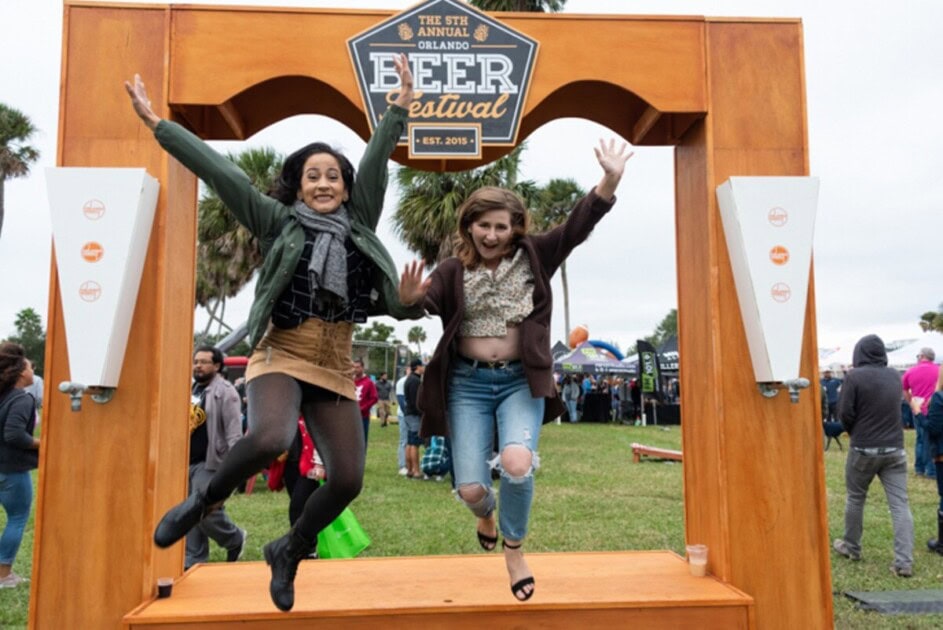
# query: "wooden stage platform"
644, 589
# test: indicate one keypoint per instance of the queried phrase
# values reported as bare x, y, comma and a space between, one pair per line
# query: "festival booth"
588, 359
701, 85
660, 405
668, 358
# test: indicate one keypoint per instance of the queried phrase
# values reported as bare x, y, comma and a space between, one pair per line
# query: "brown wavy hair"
484, 200
12, 364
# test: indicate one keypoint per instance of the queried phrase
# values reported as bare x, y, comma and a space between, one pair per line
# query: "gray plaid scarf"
327, 268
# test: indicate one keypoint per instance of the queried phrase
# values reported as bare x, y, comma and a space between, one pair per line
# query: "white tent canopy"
840, 357
906, 356
836, 357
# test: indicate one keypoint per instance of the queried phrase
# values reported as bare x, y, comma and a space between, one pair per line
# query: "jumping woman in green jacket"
323, 270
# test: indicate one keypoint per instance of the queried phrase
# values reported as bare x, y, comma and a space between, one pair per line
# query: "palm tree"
416, 335
666, 329
553, 207
15, 155
932, 320
427, 214
531, 6
227, 253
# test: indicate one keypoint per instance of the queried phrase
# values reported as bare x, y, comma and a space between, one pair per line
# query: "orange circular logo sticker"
777, 216
93, 209
92, 251
779, 255
781, 292
90, 291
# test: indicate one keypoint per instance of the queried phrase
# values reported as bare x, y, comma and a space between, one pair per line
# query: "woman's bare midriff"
507, 348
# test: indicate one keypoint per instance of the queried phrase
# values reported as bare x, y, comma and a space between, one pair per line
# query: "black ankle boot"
283, 555
936, 545
182, 518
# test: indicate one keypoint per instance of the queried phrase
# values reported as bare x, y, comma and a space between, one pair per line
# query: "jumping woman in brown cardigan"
493, 365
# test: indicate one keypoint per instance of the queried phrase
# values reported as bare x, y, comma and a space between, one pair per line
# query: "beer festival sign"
471, 74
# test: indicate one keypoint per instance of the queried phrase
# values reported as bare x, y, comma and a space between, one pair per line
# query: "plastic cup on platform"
697, 560
164, 587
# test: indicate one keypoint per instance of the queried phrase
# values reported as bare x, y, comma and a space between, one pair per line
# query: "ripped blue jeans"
481, 398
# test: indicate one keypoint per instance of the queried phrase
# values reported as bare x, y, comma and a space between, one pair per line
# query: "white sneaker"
12, 581
403, 471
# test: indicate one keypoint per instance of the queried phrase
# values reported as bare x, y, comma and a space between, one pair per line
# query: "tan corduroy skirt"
315, 352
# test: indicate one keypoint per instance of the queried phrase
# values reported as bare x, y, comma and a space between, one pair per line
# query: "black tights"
299, 488
334, 425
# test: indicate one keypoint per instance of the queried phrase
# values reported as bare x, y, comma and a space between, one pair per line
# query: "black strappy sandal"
517, 589
486, 542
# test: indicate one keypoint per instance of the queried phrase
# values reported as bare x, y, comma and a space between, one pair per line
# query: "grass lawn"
589, 497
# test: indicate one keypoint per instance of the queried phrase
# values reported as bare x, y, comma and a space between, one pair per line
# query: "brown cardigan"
446, 298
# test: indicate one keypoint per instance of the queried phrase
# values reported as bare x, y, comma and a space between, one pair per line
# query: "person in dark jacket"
935, 442
493, 364
324, 270
831, 386
869, 408
411, 417
19, 454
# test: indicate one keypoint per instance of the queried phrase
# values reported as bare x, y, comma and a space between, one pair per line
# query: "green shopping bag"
343, 538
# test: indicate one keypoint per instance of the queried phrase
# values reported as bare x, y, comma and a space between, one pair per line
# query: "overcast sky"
874, 88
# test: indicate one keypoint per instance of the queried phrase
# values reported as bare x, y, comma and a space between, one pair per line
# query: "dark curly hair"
288, 182
12, 364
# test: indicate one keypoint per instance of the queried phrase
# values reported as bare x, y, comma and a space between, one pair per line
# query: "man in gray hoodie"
869, 408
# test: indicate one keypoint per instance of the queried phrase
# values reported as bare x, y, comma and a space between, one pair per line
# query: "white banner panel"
101, 224
769, 224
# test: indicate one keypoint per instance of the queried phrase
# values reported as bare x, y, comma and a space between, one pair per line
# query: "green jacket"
281, 237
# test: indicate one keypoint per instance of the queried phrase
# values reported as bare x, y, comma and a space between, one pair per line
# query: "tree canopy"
31, 334
554, 202
427, 214
377, 346
227, 253
665, 330
16, 155
416, 335
932, 320
531, 6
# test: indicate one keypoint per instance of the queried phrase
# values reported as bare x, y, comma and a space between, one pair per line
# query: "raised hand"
140, 102
612, 161
405, 96
412, 288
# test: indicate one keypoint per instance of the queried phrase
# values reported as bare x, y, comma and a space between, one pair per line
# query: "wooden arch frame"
728, 93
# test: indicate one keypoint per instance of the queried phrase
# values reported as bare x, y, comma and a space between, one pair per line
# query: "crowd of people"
625, 396
866, 400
